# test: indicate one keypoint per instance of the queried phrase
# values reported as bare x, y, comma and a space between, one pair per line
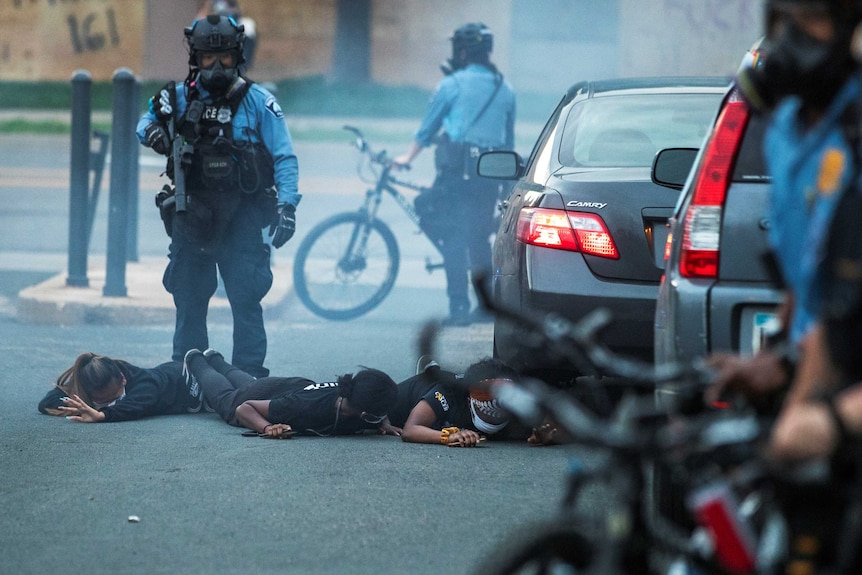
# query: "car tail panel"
702, 222
623, 222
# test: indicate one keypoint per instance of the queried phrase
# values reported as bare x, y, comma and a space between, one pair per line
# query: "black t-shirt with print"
441, 391
309, 408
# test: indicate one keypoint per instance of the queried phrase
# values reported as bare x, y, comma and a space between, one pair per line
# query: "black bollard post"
134, 175
118, 206
79, 180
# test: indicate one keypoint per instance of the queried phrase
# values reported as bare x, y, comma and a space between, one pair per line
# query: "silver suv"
719, 291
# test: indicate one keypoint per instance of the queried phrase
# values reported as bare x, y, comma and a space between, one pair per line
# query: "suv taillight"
562, 230
702, 222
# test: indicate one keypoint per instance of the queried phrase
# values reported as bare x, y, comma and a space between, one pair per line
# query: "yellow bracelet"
446, 432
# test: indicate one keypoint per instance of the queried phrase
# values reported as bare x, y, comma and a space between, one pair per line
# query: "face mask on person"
216, 78
795, 63
111, 403
486, 413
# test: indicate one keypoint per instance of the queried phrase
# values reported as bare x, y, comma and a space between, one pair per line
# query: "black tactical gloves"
161, 104
157, 138
284, 226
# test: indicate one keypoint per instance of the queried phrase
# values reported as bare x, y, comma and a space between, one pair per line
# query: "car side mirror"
500, 165
671, 166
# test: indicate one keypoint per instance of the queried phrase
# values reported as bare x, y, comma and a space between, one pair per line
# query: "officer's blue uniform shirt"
458, 99
258, 119
810, 169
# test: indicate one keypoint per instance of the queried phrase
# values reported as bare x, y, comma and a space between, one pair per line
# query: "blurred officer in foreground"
809, 80
234, 172
475, 109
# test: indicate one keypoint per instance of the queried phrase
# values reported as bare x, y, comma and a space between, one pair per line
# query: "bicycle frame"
387, 183
347, 263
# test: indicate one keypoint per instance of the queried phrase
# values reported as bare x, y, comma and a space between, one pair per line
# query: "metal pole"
134, 171
118, 206
79, 180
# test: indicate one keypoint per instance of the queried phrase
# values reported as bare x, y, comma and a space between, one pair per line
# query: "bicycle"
347, 264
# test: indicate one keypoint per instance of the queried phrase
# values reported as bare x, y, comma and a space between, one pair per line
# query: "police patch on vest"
274, 108
220, 114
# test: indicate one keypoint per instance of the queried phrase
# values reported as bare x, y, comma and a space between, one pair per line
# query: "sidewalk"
52, 302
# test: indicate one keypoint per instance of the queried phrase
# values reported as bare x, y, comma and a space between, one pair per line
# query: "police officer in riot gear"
472, 111
240, 174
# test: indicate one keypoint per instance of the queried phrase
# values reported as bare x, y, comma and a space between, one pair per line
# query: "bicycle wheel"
345, 266
546, 547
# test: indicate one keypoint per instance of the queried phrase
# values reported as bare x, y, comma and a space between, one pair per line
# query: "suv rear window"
750, 165
628, 130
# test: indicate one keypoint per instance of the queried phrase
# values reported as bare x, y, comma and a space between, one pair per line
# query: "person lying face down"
441, 407
279, 407
98, 388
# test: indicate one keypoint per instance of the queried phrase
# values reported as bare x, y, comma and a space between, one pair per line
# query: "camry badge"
574, 204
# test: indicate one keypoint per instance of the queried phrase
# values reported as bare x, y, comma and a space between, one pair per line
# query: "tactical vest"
221, 162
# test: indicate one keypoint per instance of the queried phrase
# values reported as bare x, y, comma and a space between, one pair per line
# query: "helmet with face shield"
471, 43
215, 50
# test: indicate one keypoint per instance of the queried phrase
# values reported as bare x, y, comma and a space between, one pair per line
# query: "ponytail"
90, 374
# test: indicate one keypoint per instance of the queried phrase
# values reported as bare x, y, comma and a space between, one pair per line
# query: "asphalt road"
208, 499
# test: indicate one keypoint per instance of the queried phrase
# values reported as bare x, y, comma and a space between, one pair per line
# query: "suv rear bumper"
708, 317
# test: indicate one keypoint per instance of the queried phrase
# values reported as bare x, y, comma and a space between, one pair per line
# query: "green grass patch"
46, 127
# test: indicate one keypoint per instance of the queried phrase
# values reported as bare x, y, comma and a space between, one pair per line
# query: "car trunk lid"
635, 212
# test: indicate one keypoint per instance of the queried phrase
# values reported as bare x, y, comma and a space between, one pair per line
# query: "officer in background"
240, 174
475, 109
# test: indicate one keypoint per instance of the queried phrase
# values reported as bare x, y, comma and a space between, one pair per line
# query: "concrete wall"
686, 37
542, 46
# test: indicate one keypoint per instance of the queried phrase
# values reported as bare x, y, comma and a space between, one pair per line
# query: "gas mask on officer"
806, 53
217, 77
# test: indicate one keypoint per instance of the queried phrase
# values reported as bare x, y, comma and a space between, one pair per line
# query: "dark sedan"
584, 225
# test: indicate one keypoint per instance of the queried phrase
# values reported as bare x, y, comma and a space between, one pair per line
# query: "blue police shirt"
810, 169
458, 99
258, 119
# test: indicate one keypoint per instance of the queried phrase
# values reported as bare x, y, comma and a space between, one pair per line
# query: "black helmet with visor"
471, 43
218, 36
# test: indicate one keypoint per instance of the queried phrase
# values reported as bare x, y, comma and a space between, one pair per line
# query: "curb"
52, 302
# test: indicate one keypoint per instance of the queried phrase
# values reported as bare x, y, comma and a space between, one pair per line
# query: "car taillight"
702, 223
562, 230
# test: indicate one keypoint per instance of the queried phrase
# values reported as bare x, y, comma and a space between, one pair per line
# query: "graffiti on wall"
685, 37
50, 39
94, 31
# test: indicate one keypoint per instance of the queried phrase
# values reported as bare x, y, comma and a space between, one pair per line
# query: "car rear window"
750, 165
628, 130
